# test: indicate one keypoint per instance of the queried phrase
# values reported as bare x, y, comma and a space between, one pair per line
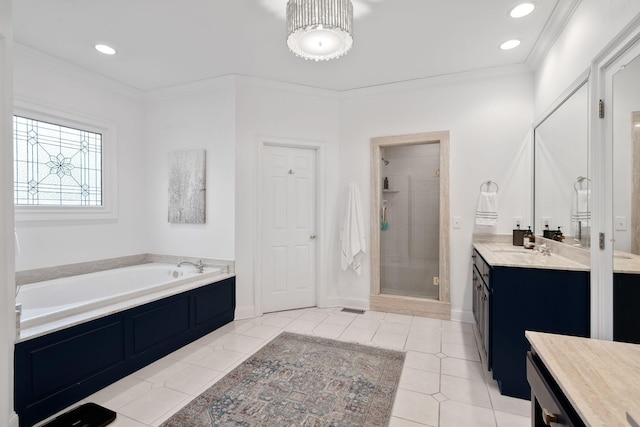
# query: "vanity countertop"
626, 263
507, 255
600, 379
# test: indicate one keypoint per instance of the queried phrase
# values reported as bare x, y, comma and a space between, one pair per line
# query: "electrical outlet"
545, 222
457, 222
517, 222
621, 223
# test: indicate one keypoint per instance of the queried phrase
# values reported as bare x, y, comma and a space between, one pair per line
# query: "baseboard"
13, 420
465, 316
246, 312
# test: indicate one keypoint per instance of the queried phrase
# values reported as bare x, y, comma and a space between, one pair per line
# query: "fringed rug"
304, 381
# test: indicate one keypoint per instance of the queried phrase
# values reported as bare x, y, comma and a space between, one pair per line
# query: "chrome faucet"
199, 266
544, 249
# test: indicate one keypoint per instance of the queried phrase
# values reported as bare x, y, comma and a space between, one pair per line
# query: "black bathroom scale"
86, 415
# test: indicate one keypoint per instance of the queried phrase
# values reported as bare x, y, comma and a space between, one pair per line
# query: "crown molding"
561, 14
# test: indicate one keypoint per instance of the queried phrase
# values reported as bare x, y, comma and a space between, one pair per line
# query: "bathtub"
53, 300
81, 333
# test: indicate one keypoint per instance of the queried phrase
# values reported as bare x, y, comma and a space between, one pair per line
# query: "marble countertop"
625, 262
601, 379
507, 255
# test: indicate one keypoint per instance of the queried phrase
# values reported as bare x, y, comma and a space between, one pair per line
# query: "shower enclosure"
410, 223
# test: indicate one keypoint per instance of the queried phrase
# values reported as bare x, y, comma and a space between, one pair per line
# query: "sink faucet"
199, 266
544, 249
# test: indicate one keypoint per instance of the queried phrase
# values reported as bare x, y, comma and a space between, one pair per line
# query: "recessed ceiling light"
510, 44
522, 10
107, 50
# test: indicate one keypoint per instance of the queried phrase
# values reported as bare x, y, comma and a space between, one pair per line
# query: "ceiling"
163, 43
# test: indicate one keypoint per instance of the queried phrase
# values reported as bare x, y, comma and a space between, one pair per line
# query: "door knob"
312, 236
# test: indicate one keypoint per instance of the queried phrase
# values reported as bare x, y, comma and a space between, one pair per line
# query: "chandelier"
319, 29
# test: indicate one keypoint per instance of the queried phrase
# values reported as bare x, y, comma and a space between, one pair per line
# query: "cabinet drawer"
481, 266
550, 406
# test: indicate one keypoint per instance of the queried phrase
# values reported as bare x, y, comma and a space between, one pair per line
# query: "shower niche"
409, 217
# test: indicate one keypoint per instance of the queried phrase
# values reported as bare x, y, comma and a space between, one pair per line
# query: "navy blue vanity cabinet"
519, 299
626, 314
56, 370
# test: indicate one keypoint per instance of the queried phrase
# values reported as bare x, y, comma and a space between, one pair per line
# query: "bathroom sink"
516, 251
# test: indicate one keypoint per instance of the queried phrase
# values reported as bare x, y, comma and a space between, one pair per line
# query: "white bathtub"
52, 300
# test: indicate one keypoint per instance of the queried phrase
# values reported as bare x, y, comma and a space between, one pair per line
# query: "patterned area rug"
299, 380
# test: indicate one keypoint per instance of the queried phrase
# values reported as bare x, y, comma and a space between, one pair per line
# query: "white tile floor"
443, 383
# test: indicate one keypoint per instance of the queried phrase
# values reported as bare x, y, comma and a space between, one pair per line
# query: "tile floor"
443, 383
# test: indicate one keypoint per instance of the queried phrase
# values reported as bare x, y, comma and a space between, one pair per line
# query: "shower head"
386, 162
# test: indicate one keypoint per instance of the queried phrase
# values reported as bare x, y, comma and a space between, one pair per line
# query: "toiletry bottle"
385, 186
558, 237
532, 239
525, 239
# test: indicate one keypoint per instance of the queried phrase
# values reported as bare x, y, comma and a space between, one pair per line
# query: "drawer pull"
549, 417
483, 298
473, 256
485, 274
478, 287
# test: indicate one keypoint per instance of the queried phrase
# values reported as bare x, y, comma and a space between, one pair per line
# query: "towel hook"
489, 183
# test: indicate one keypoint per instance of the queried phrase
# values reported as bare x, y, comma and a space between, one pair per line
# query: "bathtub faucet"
199, 265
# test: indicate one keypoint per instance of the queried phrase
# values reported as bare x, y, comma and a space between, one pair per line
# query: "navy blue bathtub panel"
207, 310
57, 370
62, 364
160, 325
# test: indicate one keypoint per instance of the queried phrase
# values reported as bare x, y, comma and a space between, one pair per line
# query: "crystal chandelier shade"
319, 29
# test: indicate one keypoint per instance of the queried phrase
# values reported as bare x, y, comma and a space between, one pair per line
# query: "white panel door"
288, 209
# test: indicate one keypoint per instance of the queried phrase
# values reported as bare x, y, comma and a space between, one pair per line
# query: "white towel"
487, 211
352, 233
580, 212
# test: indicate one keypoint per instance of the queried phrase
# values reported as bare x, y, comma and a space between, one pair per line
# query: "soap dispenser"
558, 236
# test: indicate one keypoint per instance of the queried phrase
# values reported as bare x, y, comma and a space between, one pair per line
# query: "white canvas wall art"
187, 184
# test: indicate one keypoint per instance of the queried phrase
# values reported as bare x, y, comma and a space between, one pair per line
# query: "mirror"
626, 158
562, 188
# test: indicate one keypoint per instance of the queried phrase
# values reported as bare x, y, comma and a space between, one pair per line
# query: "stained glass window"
56, 165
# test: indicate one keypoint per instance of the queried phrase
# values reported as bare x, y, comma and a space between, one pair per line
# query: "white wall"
55, 84
488, 114
7, 276
593, 25
192, 116
293, 114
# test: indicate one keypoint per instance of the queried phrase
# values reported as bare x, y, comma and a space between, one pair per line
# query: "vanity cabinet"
519, 299
481, 273
548, 402
626, 299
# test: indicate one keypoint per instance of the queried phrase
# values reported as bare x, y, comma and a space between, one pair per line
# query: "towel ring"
489, 184
579, 182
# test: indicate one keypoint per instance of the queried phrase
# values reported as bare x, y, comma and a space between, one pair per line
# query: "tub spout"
199, 266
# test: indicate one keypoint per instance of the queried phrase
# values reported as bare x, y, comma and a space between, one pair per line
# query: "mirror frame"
577, 84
